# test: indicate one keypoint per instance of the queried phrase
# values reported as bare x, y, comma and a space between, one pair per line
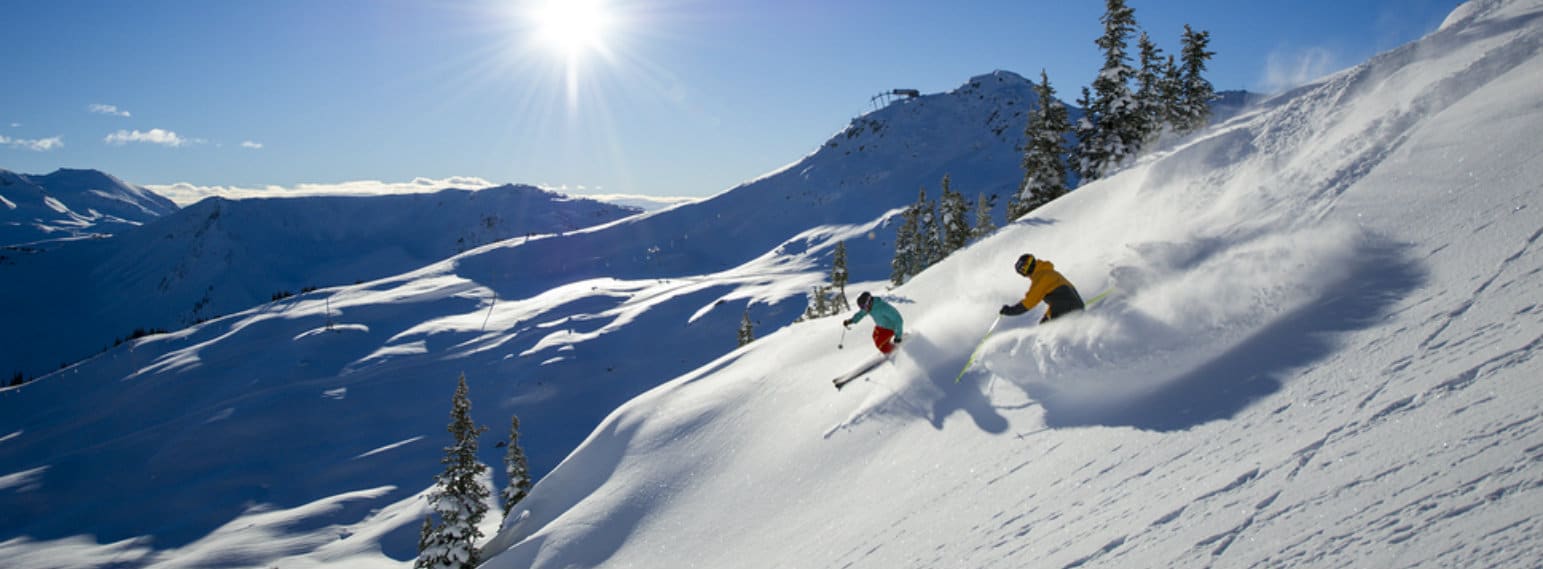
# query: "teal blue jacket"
884, 316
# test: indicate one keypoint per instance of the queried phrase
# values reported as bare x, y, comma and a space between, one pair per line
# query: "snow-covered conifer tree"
983, 207
930, 229
1115, 123
1149, 90
459, 498
838, 279
516, 468
1196, 91
1085, 155
746, 329
1044, 172
901, 267
955, 220
1170, 92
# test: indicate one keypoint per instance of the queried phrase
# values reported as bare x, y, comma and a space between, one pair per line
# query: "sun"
572, 27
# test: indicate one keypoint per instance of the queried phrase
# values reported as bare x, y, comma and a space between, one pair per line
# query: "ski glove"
847, 323
1012, 309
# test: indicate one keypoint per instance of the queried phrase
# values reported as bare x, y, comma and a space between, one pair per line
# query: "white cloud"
36, 144
186, 194
643, 202
1288, 68
153, 136
108, 110
251, 145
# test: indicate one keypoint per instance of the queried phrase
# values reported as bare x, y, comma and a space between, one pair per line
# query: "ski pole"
978, 346
839, 343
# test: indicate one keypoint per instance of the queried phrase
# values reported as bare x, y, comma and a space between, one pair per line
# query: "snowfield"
1320, 354
1319, 351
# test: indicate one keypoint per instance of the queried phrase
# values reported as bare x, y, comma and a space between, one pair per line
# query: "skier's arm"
1036, 294
1013, 309
855, 318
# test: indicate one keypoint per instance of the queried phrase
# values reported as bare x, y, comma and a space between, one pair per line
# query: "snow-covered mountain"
219, 256
1320, 354
72, 204
560, 329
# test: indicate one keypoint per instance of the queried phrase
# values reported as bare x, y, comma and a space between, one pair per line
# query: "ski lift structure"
882, 100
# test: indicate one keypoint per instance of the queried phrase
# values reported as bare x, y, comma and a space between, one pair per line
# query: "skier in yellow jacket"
1047, 285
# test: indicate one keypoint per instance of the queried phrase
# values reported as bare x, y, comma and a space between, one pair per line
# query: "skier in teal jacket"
887, 324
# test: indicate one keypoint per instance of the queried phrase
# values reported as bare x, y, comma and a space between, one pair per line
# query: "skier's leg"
881, 339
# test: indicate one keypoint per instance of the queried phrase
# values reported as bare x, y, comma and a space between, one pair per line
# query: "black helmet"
863, 300
1025, 264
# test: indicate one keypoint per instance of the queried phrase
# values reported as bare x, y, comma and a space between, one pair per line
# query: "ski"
851, 376
1100, 296
976, 352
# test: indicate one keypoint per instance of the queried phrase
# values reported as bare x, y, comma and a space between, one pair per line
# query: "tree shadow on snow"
1260, 365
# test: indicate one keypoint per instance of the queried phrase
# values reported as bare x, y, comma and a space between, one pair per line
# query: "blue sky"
676, 97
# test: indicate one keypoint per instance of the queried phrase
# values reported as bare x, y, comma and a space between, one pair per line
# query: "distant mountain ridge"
72, 204
219, 256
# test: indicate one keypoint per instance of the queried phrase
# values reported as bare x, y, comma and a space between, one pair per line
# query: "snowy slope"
72, 204
290, 417
1322, 354
219, 256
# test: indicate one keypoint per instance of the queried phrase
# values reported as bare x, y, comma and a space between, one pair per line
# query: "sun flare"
572, 27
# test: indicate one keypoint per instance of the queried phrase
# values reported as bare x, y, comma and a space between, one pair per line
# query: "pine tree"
955, 220
460, 498
425, 532
516, 468
984, 205
1044, 172
1171, 94
1149, 90
838, 279
1085, 155
1196, 91
1115, 136
746, 329
906, 247
930, 243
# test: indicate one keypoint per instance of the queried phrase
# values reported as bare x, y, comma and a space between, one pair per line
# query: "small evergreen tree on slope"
1114, 115
983, 225
1044, 172
838, 279
516, 468
460, 498
906, 237
955, 212
1152, 113
1196, 92
746, 329
930, 241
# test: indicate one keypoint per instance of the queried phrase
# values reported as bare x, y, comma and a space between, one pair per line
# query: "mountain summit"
72, 204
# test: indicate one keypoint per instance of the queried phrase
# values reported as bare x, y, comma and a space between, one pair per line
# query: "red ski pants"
881, 339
